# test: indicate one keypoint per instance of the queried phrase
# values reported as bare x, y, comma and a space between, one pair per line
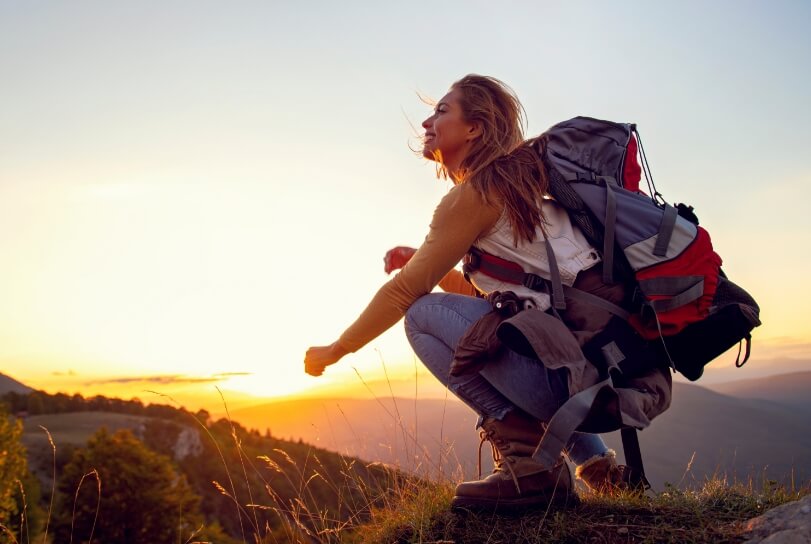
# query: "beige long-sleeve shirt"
459, 220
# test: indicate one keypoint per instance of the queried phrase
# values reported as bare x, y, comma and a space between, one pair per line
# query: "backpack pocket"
701, 342
731, 319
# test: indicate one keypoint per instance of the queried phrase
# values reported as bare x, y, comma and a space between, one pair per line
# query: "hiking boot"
518, 481
602, 474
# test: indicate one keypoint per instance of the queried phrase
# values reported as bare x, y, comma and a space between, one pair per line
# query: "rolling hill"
414, 435
792, 389
704, 433
741, 429
8, 384
283, 489
733, 436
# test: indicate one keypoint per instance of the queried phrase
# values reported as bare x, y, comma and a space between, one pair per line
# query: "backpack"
684, 310
684, 307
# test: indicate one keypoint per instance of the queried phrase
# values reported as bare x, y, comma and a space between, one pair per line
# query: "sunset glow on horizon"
192, 194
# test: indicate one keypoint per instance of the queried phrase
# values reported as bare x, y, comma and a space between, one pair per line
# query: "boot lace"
499, 461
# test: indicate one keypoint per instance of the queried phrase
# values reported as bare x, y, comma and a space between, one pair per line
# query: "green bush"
117, 490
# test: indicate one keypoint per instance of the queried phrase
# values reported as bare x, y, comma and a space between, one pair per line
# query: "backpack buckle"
588, 177
471, 262
534, 282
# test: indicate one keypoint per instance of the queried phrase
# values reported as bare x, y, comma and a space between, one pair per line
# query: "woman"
497, 204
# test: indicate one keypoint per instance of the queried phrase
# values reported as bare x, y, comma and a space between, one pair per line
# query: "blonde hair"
501, 165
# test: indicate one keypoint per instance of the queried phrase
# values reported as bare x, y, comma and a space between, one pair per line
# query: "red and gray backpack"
684, 312
683, 301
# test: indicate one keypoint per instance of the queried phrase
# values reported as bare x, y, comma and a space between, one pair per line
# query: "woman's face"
447, 135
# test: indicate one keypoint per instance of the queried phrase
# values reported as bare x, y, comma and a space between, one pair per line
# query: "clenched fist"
397, 258
318, 358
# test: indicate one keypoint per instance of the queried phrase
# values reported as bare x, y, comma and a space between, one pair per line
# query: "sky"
194, 192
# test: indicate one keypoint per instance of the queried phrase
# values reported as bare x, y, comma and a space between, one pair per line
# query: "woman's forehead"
451, 98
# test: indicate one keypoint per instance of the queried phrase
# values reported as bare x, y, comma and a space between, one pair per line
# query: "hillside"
732, 436
249, 484
714, 513
792, 389
405, 511
299, 489
729, 436
68, 431
8, 384
414, 435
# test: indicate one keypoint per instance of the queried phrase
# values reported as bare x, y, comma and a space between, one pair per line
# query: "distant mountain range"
412, 434
758, 428
791, 389
704, 433
732, 436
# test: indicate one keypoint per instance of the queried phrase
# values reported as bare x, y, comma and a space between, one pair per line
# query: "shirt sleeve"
458, 221
455, 282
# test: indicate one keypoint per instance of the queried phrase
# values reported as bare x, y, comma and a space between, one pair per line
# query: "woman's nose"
427, 123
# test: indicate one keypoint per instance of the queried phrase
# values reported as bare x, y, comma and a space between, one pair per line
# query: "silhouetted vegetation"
39, 402
117, 490
176, 475
19, 490
234, 482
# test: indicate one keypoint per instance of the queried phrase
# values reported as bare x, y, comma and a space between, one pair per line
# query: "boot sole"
515, 505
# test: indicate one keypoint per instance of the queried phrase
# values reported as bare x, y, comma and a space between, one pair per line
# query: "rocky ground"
786, 524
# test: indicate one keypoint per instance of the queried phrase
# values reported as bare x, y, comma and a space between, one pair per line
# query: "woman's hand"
397, 258
318, 358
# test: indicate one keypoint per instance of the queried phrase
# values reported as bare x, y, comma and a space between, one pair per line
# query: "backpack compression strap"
610, 225
510, 272
565, 422
666, 228
572, 414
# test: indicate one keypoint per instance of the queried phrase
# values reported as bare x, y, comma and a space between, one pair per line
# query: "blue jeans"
435, 323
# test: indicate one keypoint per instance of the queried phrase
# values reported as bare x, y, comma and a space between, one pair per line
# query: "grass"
416, 510
714, 513
380, 504
407, 509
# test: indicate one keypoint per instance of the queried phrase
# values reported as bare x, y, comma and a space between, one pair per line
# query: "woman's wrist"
338, 349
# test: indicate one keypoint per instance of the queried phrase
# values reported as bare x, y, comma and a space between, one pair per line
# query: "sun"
268, 384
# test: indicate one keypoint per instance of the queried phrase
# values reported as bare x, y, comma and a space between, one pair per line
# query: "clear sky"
193, 192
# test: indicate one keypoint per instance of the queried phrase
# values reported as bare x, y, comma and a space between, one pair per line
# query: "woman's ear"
474, 131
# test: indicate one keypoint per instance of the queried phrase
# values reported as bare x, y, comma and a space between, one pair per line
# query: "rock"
188, 443
786, 524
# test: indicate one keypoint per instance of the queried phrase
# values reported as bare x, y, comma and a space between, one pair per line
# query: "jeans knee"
412, 321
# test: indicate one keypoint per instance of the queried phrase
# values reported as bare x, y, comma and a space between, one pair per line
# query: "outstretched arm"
460, 219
